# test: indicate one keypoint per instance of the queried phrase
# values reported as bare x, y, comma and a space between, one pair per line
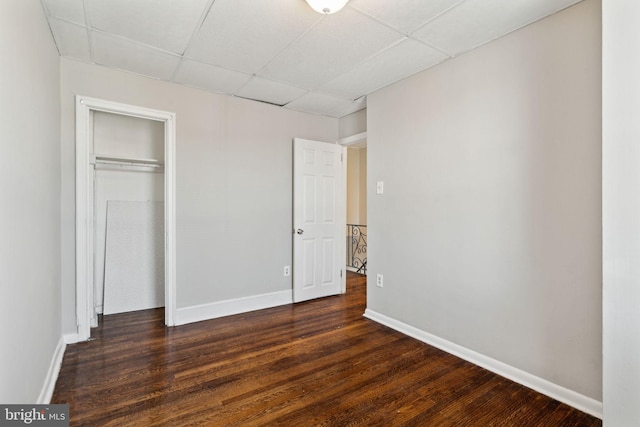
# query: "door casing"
85, 312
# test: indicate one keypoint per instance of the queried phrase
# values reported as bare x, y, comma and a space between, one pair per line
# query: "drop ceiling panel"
165, 24
351, 108
269, 91
68, 10
210, 77
339, 42
280, 51
319, 103
404, 15
475, 22
400, 61
125, 55
245, 35
71, 39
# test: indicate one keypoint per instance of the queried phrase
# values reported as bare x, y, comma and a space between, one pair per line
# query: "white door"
319, 209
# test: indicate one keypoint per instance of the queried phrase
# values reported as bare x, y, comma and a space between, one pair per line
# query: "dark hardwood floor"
309, 364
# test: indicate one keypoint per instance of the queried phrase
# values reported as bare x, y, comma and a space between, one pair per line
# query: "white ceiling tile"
319, 103
269, 91
351, 108
288, 48
476, 22
400, 61
210, 77
245, 35
165, 24
72, 40
69, 10
336, 44
404, 15
125, 55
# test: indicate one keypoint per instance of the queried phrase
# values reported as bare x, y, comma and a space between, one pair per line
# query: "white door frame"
353, 139
85, 311
347, 142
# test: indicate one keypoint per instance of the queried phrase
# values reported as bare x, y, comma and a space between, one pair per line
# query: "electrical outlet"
287, 270
379, 280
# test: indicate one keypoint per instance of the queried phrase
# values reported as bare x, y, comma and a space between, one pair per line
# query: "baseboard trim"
71, 338
52, 374
562, 394
214, 310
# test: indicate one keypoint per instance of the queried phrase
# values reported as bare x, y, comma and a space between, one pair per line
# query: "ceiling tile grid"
245, 35
270, 91
404, 15
281, 51
165, 24
210, 77
319, 103
339, 42
124, 54
71, 39
402, 60
67, 10
484, 21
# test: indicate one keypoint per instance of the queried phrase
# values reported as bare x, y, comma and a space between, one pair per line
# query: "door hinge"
340, 273
341, 157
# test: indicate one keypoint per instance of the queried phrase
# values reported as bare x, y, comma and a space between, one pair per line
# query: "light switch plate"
379, 187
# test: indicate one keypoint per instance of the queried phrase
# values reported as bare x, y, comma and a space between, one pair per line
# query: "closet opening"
125, 211
128, 161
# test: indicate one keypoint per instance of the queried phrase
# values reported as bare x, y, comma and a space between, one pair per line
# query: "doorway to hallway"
356, 229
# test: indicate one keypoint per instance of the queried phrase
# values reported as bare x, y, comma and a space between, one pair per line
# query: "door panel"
319, 210
328, 249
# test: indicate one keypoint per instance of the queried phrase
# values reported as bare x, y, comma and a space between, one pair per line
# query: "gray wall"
489, 231
30, 206
621, 213
233, 183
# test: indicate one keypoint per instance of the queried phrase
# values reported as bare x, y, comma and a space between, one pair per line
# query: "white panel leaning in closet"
128, 160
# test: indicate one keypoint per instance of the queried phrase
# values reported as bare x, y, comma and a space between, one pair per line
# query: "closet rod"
126, 161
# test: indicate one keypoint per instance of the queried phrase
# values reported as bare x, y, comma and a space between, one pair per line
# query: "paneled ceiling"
281, 51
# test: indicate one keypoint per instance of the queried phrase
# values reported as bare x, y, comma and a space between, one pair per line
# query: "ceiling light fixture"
327, 6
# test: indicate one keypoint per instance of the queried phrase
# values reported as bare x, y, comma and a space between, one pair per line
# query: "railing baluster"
357, 247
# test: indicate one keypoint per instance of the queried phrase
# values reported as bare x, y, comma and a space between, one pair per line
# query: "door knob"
299, 231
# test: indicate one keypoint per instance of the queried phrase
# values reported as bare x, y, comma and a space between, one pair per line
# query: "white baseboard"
71, 338
52, 374
571, 398
214, 310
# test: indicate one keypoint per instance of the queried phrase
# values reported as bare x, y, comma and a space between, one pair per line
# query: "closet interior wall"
129, 155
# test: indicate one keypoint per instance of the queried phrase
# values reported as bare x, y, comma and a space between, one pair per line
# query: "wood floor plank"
318, 363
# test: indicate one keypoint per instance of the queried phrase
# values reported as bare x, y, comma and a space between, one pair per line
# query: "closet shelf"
125, 161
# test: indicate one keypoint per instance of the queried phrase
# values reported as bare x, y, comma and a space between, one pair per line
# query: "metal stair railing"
357, 247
